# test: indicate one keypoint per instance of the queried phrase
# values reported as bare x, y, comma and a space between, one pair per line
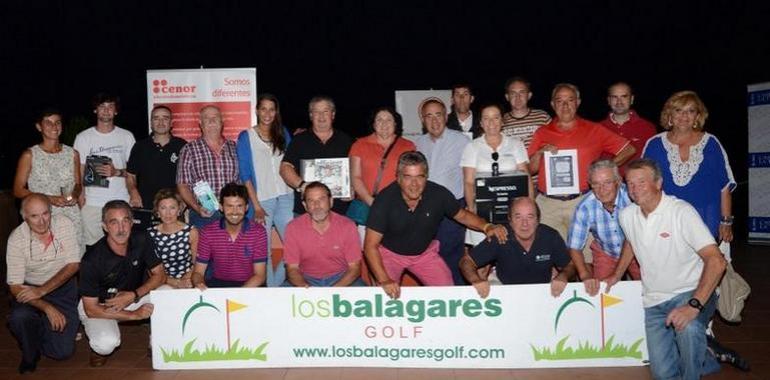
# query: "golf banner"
185, 92
516, 326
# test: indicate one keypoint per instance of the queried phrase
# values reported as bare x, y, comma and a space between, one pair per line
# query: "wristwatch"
693, 302
299, 187
137, 298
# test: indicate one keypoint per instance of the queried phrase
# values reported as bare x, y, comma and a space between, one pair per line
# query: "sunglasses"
495, 165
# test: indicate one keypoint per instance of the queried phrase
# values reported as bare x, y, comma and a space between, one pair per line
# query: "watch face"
695, 303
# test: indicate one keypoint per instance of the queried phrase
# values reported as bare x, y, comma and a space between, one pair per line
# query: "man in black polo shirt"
152, 164
321, 141
114, 285
528, 258
402, 225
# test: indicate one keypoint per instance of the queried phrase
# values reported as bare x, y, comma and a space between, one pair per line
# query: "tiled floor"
751, 338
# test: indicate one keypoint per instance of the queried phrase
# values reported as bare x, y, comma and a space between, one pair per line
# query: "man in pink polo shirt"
322, 248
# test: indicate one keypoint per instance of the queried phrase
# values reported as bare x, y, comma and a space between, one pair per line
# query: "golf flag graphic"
607, 301
232, 307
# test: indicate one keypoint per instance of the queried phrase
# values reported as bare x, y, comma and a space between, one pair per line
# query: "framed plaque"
561, 172
332, 172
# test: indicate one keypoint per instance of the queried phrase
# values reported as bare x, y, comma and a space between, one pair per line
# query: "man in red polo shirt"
569, 131
625, 121
322, 248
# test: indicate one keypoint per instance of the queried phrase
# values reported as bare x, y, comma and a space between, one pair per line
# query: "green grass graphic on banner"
211, 353
586, 350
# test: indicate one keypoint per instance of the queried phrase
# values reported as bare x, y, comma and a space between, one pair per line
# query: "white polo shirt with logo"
666, 243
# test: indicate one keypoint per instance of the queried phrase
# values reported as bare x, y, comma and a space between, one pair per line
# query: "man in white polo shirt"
681, 266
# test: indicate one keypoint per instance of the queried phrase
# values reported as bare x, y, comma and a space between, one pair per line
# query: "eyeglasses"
495, 165
43, 257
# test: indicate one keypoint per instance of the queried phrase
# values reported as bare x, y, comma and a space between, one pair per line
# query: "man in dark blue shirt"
528, 258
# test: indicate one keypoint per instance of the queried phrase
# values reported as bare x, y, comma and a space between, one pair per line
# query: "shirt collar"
244, 227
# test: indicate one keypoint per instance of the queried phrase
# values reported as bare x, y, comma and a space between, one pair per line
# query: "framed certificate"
561, 172
332, 172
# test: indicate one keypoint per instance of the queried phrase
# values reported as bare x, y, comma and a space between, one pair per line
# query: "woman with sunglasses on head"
175, 241
491, 154
52, 169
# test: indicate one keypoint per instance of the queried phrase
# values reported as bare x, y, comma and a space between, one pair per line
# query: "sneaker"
96, 360
726, 355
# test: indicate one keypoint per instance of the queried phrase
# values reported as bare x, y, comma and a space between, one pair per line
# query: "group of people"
660, 226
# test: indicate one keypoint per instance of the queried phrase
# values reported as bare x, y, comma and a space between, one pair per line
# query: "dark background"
63, 52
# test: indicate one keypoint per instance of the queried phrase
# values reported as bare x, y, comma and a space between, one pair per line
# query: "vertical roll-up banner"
759, 163
185, 92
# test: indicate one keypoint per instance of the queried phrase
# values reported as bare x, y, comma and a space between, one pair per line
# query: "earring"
695, 126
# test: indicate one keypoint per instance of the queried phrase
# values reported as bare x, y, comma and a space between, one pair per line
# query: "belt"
563, 198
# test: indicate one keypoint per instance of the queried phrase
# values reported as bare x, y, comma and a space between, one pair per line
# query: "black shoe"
726, 355
27, 367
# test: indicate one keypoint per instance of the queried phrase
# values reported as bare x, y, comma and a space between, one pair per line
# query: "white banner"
759, 162
234, 91
408, 102
519, 326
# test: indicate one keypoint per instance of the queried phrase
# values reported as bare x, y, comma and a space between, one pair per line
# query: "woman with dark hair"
373, 158
53, 169
260, 150
175, 242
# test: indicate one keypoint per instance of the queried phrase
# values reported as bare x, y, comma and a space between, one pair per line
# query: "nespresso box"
494, 195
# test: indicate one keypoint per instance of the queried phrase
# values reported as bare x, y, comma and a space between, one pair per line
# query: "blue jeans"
32, 329
679, 354
279, 214
198, 221
328, 281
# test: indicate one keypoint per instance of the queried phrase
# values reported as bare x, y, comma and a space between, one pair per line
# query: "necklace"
259, 134
56, 149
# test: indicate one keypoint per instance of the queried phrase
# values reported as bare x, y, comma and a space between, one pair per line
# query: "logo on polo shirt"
173, 158
541, 258
665, 235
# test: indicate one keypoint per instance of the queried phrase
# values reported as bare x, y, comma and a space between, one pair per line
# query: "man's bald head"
31, 201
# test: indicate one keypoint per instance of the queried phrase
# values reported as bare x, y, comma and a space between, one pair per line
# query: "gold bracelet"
486, 226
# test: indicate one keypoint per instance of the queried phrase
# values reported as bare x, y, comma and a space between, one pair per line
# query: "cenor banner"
517, 326
234, 91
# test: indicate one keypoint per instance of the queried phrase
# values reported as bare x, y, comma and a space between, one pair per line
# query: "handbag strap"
382, 167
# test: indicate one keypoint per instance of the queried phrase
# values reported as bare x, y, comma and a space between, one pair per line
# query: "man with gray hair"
321, 141
207, 161
114, 285
597, 215
402, 225
43, 255
443, 149
568, 131
682, 268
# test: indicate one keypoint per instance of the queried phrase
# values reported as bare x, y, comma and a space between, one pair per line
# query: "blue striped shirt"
591, 216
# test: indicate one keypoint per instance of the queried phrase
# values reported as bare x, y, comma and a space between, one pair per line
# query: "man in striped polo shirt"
522, 121
235, 245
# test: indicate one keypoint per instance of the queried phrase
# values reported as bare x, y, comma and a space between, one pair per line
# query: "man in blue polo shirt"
528, 258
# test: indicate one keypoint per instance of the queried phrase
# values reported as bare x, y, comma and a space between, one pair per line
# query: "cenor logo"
161, 86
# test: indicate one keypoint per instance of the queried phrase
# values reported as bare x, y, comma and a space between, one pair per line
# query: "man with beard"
322, 248
112, 281
236, 246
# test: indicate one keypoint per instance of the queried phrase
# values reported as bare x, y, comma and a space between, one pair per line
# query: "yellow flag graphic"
608, 300
234, 306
